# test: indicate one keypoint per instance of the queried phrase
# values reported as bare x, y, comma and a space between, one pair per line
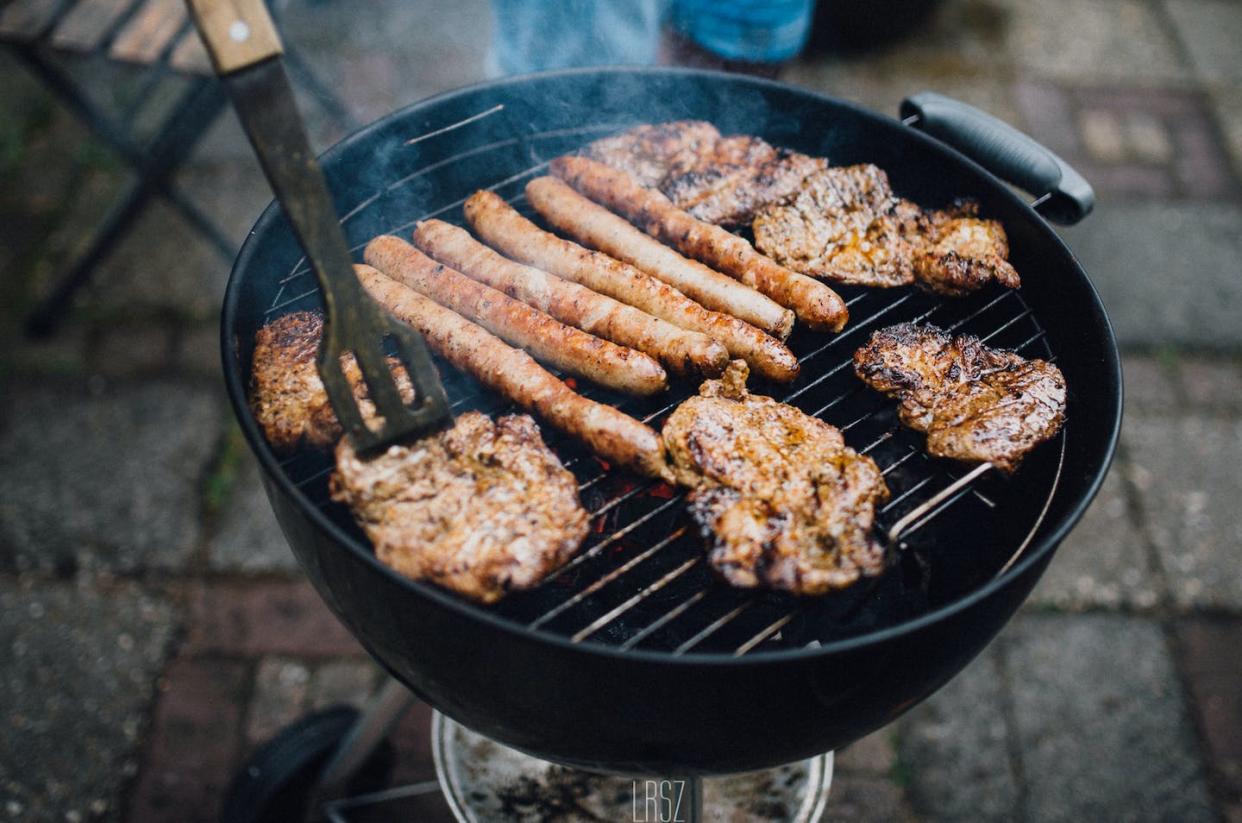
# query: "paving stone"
130, 350
79, 671
161, 265
1101, 721
107, 479
1104, 562
1129, 250
249, 539
194, 742
883, 87
1186, 471
1211, 31
1073, 39
258, 618
1102, 135
1213, 672
1153, 385
198, 352
875, 754
342, 681
280, 692
1226, 100
859, 798
1211, 384
954, 748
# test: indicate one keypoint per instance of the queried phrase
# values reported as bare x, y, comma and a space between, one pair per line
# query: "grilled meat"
843, 225
848, 226
814, 303
975, 403
613, 435
481, 509
784, 503
740, 177
651, 153
959, 253
286, 394
722, 180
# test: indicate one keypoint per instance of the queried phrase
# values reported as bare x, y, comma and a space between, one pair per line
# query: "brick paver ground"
155, 627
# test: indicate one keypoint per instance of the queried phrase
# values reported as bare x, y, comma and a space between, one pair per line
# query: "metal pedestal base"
485, 781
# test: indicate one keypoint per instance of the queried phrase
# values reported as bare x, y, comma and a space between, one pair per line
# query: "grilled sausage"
611, 434
684, 352
595, 226
500, 225
563, 346
815, 304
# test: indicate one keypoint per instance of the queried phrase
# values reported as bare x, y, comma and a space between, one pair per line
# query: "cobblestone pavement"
155, 627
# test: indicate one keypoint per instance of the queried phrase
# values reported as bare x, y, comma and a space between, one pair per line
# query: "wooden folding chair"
158, 36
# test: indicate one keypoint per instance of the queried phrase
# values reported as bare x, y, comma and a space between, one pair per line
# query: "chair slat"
150, 31
190, 55
86, 24
27, 19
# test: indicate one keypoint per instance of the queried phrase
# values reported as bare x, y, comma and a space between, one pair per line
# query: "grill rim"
1033, 554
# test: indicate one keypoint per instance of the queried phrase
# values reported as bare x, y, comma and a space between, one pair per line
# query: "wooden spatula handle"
237, 33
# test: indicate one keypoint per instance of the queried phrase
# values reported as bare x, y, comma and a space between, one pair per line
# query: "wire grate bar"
617, 611
713, 627
606, 579
664, 619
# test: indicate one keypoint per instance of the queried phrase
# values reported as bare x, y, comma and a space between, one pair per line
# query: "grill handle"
1062, 195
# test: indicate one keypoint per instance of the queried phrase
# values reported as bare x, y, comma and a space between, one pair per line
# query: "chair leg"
46, 316
329, 102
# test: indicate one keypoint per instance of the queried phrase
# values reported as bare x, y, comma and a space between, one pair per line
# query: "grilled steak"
738, 178
286, 395
956, 253
481, 509
975, 403
651, 153
847, 225
781, 499
843, 225
722, 180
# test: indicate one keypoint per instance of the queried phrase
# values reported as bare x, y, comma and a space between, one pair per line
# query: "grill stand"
482, 780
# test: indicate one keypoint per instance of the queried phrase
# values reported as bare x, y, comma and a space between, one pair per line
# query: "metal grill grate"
640, 579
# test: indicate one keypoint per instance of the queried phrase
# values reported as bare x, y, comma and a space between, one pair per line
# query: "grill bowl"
733, 681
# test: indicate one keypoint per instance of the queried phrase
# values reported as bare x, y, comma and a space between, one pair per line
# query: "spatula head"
362, 328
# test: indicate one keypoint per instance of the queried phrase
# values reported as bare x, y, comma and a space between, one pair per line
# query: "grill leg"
693, 801
378, 718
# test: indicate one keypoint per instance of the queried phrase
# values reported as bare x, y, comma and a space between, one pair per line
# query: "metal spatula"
245, 50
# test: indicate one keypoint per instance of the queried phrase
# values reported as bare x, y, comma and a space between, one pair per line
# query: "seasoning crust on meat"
481, 509
846, 225
783, 502
287, 395
722, 180
975, 403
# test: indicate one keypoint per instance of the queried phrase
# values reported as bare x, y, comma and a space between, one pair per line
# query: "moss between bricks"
221, 476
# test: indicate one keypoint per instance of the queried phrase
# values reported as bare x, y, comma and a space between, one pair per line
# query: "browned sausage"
500, 225
595, 226
547, 339
684, 352
815, 304
611, 434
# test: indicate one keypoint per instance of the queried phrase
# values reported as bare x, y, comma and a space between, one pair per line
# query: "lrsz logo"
658, 801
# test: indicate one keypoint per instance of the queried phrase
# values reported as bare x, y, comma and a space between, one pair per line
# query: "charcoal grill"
633, 657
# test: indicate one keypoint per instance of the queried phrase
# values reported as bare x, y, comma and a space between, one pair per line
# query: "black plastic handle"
1062, 195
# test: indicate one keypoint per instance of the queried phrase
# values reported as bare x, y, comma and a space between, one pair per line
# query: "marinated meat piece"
651, 153
722, 180
742, 176
847, 225
960, 253
286, 395
784, 503
975, 403
480, 509
844, 225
